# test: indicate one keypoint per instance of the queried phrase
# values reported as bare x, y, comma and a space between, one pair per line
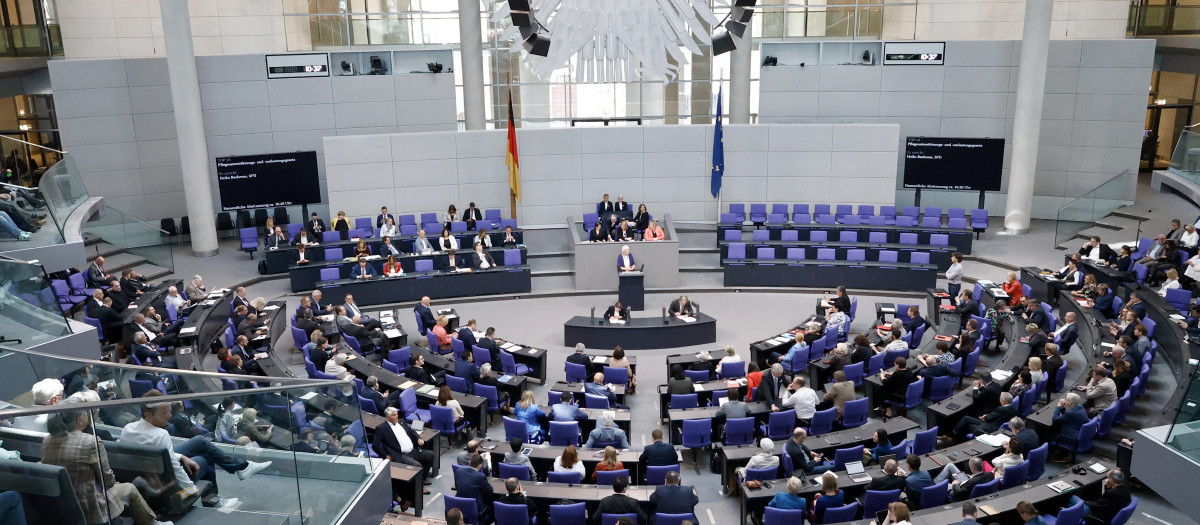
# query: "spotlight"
522, 19
722, 43
735, 27
538, 44
741, 14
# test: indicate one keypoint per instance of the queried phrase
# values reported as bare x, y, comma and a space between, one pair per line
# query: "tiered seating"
955, 218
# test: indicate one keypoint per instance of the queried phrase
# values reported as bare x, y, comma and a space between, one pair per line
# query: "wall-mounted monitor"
267, 181
947, 163
914, 53
298, 65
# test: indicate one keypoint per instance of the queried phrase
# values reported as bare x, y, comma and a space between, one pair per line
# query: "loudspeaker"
722, 43
521, 19
741, 14
518, 5
737, 28
538, 44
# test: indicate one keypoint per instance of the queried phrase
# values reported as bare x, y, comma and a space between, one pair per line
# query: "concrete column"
471, 36
1031, 90
739, 79
189, 126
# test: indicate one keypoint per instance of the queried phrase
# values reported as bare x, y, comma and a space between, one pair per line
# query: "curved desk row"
437, 285
308, 276
1173, 345
474, 407
939, 255
206, 322
152, 297
639, 333
279, 260
960, 237
1091, 336
947, 412
812, 273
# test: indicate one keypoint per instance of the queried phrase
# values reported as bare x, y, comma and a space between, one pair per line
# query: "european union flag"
718, 160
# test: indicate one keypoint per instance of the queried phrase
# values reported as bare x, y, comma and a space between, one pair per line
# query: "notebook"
857, 473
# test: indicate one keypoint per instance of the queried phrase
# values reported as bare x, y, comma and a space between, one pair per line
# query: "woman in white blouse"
483, 238
1190, 238
447, 242
731, 356
1035, 369
569, 462
1171, 282
1011, 456
388, 229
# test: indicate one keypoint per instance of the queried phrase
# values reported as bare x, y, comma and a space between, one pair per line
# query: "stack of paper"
686, 319
993, 440
392, 334
1001, 375
599, 359
617, 321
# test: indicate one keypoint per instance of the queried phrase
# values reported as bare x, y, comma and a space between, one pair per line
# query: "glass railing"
29, 311
1185, 160
30, 41
62, 188
310, 432
1162, 20
1083, 212
133, 236
1186, 427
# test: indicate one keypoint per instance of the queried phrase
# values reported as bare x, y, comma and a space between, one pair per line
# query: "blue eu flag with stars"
718, 160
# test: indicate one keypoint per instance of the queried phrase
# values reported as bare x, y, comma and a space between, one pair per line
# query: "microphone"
593, 316
665, 319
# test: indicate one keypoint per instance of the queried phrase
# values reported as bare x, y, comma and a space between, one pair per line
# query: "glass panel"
134, 236
307, 430
28, 306
1083, 212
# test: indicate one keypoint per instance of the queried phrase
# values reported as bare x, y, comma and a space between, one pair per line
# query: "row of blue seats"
845, 214
250, 236
937, 239
737, 251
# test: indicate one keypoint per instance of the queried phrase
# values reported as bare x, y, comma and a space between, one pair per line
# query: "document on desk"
260, 355
1177, 317
270, 307
209, 302
261, 337
599, 359
685, 318
392, 334
993, 440
1001, 375
616, 321
308, 396
1108, 345
1060, 486
507, 346
781, 339
187, 331
698, 386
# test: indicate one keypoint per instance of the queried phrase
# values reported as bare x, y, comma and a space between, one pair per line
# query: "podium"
631, 290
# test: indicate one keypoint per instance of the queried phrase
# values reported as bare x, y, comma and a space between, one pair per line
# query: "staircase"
116, 259
1119, 226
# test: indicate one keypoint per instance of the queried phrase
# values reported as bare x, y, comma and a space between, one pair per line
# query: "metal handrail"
27, 143
1093, 190
148, 225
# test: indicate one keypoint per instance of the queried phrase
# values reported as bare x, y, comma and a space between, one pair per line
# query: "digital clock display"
317, 68
914, 53
915, 57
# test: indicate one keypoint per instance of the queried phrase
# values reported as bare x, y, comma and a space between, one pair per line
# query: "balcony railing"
1163, 20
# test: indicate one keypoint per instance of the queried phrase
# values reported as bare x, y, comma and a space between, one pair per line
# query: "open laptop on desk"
857, 473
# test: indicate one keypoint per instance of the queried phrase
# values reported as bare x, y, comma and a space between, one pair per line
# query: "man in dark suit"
472, 483
466, 334
396, 441
658, 453
986, 392
387, 248
1115, 497
465, 367
772, 384
372, 390
620, 205
1135, 303
804, 459
472, 215
604, 206
416, 371
315, 226
383, 216
960, 490
276, 239
1104, 301
1097, 251
969, 513
304, 238
119, 299
95, 276
580, 358
133, 283
425, 313
362, 270
1069, 416
1035, 314
452, 262
672, 498
966, 307
482, 259
991, 421
319, 305
680, 307
895, 383
149, 355
100, 308
516, 496
488, 342
368, 338
239, 298
619, 503
1027, 435
1067, 333
890, 480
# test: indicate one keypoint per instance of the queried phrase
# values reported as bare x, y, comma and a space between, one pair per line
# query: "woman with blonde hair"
731, 356
610, 462
790, 499
897, 514
1088, 290
248, 427
1012, 287
1035, 369
443, 337
1172, 282
829, 497
340, 223
527, 410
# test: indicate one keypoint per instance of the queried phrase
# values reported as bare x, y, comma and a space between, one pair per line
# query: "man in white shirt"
336, 366
897, 343
803, 398
395, 440
46, 392
194, 457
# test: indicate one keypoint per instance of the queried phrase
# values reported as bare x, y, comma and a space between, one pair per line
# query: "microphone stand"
1138, 236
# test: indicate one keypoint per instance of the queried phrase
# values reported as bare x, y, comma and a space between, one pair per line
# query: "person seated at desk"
353, 311
965, 307
450, 218
362, 270
392, 268
1023, 383
1124, 261
829, 497
336, 366
396, 441
373, 390
527, 410
361, 249
618, 360
1114, 498
619, 503
624, 233
119, 299
465, 366
616, 312
1012, 456
598, 234
679, 384
890, 480
1171, 282
303, 238
510, 240
453, 262
569, 461
387, 248
916, 480
914, 321
1012, 288
443, 338
258, 431
842, 300
481, 259
625, 262
566, 410
467, 334
515, 457
936, 365
301, 254
445, 398
1097, 251
641, 220
416, 371
604, 206
319, 354
488, 378
149, 354
388, 229
654, 232
95, 276
276, 239
483, 238
991, 421
422, 244
341, 223
609, 462
895, 386
516, 496
1036, 339
897, 514
681, 307
1101, 390
447, 242
883, 447
787, 358
765, 458
598, 388
620, 206
315, 226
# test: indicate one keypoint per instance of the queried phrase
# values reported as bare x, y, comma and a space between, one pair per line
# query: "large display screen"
267, 181
947, 163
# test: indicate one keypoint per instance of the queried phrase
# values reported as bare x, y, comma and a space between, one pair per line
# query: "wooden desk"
409, 482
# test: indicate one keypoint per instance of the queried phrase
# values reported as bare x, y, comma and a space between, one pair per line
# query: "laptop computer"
885, 458
857, 473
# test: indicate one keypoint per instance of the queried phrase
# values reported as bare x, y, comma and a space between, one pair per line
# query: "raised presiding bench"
819, 273
411, 287
639, 333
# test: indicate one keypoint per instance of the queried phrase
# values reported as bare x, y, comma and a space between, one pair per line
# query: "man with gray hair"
1027, 435
765, 458
962, 489
889, 480
991, 421
672, 498
1114, 498
149, 354
46, 392
396, 441
581, 358
195, 291
1069, 416
487, 378
772, 386
607, 433
803, 459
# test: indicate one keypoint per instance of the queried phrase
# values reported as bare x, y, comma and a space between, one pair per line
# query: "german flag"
510, 159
